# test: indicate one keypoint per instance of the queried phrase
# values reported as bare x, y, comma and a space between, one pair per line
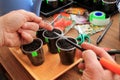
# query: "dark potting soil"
39, 33
66, 57
51, 33
64, 44
32, 46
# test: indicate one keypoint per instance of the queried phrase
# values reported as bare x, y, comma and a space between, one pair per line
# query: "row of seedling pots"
55, 44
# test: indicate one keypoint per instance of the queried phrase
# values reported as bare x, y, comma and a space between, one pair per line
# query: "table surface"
17, 71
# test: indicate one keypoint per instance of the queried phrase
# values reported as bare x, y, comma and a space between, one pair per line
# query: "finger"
99, 51
30, 32
30, 26
91, 62
26, 38
34, 18
78, 53
81, 66
30, 16
45, 25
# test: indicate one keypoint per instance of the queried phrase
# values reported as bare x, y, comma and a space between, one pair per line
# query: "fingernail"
81, 71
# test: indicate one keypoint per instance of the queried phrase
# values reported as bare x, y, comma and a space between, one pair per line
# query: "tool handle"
112, 52
114, 67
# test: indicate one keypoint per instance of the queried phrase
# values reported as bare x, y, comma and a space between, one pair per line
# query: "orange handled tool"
114, 67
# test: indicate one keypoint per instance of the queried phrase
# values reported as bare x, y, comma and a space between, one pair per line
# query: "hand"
19, 27
92, 69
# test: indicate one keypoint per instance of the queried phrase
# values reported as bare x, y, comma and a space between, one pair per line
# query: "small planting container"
34, 51
52, 3
109, 6
63, 2
66, 50
51, 38
85, 2
40, 35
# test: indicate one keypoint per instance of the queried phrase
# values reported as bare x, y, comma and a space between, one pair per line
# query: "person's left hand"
19, 27
91, 67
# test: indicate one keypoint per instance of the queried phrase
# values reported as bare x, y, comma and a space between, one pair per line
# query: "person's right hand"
92, 69
19, 27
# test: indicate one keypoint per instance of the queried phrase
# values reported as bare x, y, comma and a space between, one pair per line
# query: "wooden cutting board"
49, 70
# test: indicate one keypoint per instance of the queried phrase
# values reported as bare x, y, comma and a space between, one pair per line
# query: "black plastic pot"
66, 50
34, 51
51, 38
40, 35
109, 6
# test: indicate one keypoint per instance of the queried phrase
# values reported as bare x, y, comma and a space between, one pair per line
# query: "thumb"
91, 62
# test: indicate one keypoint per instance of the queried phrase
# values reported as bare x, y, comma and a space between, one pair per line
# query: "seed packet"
63, 22
75, 10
